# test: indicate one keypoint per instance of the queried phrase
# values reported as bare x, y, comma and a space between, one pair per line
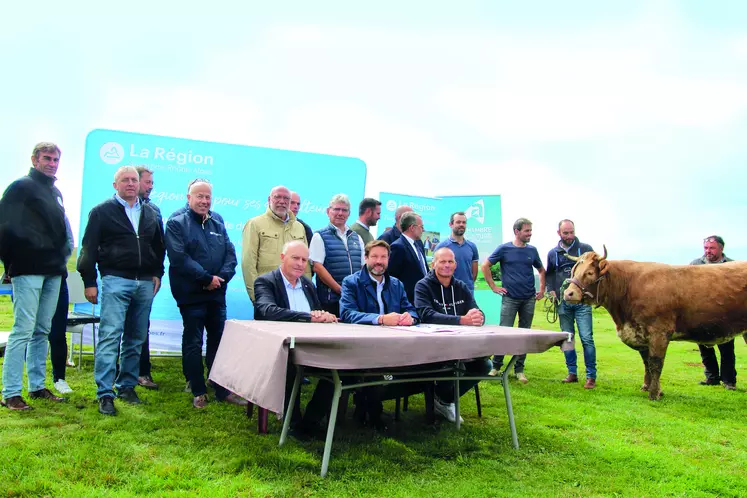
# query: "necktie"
421, 259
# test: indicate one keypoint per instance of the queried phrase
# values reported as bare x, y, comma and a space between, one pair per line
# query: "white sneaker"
446, 410
522, 378
62, 387
494, 372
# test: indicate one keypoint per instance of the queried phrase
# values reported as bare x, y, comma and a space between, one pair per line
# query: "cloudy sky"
628, 117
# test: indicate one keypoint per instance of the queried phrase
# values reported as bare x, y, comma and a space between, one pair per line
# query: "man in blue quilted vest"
336, 251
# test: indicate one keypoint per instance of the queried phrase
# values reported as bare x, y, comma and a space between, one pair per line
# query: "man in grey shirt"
713, 253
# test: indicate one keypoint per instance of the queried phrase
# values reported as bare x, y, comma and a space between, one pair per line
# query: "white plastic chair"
76, 320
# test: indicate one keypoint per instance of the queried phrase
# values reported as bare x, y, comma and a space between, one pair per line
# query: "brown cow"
653, 304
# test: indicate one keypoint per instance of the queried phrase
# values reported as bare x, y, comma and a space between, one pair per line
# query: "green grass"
611, 441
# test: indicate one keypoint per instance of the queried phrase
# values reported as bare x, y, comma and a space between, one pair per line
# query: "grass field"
611, 441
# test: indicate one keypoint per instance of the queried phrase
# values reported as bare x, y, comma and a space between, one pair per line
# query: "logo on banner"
111, 153
476, 211
391, 205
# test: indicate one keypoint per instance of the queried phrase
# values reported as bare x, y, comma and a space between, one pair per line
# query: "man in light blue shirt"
465, 251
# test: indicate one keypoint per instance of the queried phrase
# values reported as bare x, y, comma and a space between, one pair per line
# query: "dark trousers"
145, 356
211, 317
509, 309
445, 389
58, 334
728, 363
333, 308
290, 377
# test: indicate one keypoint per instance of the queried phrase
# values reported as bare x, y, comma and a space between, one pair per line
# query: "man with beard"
558, 270
465, 251
295, 206
265, 235
336, 252
518, 293
443, 299
369, 212
713, 254
202, 262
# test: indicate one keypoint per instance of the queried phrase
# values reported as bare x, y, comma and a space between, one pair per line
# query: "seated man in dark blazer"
286, 295
407, 260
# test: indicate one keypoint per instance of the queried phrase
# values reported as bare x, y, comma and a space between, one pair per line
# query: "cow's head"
589, 270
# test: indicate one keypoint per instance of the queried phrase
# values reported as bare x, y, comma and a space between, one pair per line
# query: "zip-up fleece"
559, 267
111, 243
442, 305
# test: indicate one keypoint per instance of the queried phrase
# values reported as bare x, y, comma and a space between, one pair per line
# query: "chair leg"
396, 408
405, 404
430, 414
80, 349
477, 400
342, 408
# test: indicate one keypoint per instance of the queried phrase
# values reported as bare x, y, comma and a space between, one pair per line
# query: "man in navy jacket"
558, 269
442, 299
202, 262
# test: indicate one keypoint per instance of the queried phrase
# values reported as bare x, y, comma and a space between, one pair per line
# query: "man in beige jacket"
265, 235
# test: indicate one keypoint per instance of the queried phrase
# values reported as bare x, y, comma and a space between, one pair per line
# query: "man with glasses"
265, 235
713, 254
336, 252
407, 261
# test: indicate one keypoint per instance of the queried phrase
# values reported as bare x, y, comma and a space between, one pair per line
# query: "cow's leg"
647, 375
657, 350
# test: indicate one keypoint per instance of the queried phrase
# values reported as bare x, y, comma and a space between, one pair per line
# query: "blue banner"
242, 178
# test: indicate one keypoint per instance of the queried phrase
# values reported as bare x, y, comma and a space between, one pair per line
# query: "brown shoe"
200, 401
147, 382
45, 394
590, 383
730, 387
571, 378
235, 399
15, 403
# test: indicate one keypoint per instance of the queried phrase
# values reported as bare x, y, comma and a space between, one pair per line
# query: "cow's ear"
602, 267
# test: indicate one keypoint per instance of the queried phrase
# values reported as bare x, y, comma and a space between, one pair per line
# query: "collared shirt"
317, 252
133, 213
704, 261
464, 254
418, 254
363, 225
379, 290
297, 299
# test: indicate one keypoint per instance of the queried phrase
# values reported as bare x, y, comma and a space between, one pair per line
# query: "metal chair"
76, 320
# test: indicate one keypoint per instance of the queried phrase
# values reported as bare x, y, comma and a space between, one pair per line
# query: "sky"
628, 117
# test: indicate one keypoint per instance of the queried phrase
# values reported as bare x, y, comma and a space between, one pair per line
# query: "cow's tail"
744, 335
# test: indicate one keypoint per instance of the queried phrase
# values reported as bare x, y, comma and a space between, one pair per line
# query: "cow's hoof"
655, 397
644, 387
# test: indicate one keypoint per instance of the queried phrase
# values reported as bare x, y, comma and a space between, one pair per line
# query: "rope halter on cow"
586, 290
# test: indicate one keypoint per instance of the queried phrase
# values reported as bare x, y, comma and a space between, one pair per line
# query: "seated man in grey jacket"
442, 299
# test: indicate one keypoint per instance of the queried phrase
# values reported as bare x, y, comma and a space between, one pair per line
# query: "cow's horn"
572, 258
605, 253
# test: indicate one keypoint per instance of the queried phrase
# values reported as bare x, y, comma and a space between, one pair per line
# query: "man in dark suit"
295, 207
286, 295
393, 233
407, 261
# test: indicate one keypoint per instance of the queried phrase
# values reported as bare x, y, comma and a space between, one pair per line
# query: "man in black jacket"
123, 238
286, 295
440, 298
33, 244
202, 260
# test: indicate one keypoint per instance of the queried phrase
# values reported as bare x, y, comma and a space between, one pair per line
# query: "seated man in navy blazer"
286, 295
407, 260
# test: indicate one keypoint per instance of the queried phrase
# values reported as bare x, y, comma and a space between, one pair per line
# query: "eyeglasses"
281, 197
199, 180
715, 238
339, 210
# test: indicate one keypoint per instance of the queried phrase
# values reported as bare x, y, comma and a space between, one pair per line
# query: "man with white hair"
123, 238
265, 235
336, 252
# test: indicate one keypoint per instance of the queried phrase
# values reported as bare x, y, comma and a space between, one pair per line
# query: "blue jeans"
198, 318
510, 307
582, 315
125, 309
34, 303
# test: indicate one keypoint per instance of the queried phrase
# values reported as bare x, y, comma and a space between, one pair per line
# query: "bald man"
265, 235
391, 235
